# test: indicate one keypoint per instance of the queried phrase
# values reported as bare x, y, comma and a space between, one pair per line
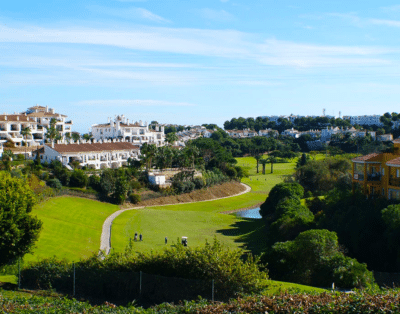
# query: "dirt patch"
216, 191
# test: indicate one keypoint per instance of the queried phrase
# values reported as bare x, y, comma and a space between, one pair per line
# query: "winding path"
105, 238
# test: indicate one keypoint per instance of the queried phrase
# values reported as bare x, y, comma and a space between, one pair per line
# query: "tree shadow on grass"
251, 233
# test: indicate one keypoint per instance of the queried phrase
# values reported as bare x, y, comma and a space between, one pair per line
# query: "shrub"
232, 274
20, 157
199, 183
78, 179
314, 258
134, 198
94, 182
54, 183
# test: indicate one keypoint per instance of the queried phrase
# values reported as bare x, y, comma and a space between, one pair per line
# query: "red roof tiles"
95, 147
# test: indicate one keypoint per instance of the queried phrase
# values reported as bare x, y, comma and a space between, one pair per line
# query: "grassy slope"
71, 227
200, 221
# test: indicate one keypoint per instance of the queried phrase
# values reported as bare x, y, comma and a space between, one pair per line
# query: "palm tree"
25, 132
171, 138
6, 158
52, 133
272, 159
257, 157
148, 151
263, 162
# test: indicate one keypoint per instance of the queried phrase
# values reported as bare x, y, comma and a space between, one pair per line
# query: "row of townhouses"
359, 120
93, 154
133, 132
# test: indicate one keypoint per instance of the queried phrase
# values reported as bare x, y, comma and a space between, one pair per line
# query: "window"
397, 173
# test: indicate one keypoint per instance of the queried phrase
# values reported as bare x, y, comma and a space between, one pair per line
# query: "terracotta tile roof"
366, 157
104, 125
41, 114
14, 118
397, 141
96, 147
132, 125
395, 162
37, 107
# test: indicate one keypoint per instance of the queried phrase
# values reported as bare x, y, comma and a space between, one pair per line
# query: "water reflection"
253, 213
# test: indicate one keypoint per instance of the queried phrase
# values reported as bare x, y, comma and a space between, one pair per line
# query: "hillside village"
27, 133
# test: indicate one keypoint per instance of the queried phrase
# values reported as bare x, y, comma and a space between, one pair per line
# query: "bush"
232, 274
134, 198
20, 157
314, 258
135, 185
54, 183
183, 187
94, 182
278, 193
199, 183
78, 179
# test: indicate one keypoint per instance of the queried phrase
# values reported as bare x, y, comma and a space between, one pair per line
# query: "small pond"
253, 213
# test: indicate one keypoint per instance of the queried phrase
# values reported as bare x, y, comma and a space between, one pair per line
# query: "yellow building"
378, 175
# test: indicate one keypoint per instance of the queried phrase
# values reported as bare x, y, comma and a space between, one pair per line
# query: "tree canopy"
18, 229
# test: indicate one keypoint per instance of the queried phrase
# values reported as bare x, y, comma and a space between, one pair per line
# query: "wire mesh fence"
119, 287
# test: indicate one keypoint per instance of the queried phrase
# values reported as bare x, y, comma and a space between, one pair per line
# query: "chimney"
77, 142
5, 118
94, 141
127, 121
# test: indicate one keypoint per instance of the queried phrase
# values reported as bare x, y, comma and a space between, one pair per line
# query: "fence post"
140, 283
73, 291
19, 273
212, 290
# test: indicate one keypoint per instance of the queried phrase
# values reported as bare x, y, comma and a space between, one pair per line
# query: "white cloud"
129, 13
391, 9
216, 15
392, 23
228, 44
133, 102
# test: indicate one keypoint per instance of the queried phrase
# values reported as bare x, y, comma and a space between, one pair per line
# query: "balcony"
374, 177
358, 176
394, 182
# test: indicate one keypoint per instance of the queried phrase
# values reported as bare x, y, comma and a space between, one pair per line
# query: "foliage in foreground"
324, 303
314, 258
213, 261
18, 229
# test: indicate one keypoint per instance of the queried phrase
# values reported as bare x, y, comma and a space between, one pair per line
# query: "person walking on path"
135, 238
166, 240
140, 237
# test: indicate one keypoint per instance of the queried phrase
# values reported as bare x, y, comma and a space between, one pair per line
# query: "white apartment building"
364, 120
37, 119
43, 115
291, 132
241, 133
97, 155
136, 133
11, 126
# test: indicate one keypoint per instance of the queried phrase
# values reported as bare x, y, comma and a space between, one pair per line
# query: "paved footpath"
105, 239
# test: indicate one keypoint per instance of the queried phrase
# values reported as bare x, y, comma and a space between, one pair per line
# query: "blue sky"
194, 62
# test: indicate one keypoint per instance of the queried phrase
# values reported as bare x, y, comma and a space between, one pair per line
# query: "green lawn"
264, 183
203, 220
71, 227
